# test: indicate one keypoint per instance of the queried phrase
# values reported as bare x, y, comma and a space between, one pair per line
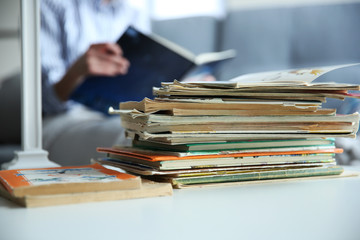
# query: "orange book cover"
153, 157
60, 180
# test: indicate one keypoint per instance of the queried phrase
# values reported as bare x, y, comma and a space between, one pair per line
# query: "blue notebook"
152, 60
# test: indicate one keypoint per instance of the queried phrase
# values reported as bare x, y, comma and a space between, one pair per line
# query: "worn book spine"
148, 189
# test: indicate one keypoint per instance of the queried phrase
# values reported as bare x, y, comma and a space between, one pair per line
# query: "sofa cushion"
10, 110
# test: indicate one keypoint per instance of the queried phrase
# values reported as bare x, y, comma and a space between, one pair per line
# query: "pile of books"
252, 128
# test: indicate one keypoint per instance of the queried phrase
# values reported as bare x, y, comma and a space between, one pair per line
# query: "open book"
153, 60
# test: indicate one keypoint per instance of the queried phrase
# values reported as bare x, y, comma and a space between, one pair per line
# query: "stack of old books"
256, 127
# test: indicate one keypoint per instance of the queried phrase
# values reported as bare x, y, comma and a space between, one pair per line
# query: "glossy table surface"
306, 209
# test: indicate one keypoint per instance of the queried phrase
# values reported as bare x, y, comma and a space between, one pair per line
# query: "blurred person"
77, 41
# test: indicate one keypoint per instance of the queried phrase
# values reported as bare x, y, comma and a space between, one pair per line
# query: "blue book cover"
152, 60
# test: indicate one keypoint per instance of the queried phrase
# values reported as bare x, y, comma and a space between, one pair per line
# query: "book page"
301, 76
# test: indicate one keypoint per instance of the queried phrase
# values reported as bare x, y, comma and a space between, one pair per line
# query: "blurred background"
267, 35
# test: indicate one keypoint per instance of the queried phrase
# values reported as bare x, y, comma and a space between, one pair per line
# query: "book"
158, 123
254, 175
250, 112
293, 79
151, 106
227, 161
294, 84
298, 178
148, 189
153, 60
213, 137
162, 161
309, 92
140, 169
252, 149
249, 144
65, 180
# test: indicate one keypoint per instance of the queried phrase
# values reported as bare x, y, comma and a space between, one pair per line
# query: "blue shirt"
68, 28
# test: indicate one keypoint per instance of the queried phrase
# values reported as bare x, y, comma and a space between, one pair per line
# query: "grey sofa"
10, 118
286, 38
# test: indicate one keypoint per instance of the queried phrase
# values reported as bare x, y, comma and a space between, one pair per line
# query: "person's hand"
103, 59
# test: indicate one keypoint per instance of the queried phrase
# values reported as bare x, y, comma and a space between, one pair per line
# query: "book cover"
61, 180
153, 60
241, 176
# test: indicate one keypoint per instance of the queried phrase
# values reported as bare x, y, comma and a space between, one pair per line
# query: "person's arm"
53, 64
59, 76
103, 59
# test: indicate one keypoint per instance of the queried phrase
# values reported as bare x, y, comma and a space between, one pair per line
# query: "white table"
311, 209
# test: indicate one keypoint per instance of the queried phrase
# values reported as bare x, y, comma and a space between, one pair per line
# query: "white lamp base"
30, 159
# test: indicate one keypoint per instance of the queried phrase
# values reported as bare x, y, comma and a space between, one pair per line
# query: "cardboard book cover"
61, 180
